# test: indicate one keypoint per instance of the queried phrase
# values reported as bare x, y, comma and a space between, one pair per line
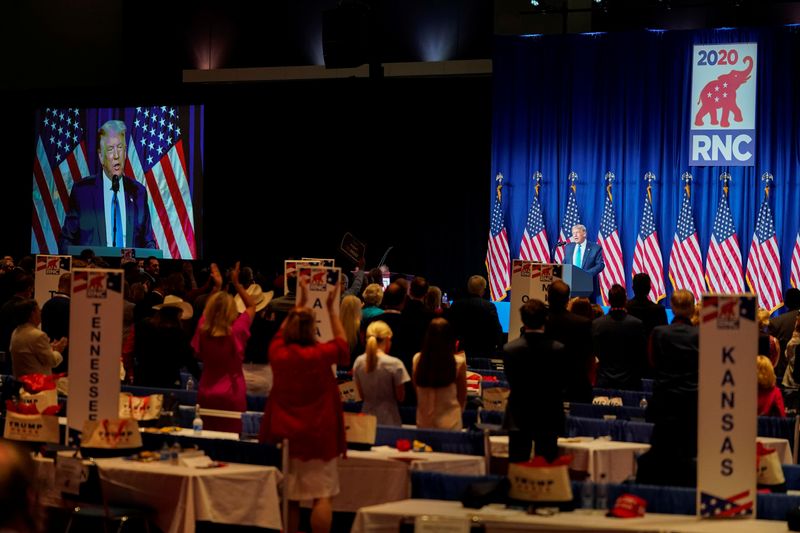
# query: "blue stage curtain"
621, 102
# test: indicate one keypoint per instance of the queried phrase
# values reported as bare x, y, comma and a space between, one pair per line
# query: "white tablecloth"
232, 494
600, 458
387, 517
382, 474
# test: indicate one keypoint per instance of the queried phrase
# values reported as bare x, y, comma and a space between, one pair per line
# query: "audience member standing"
162, 346
575, 333
782, 326
770, 399
475, 321
55, 316
440, 377
534, 367
22, 287
219, 343
373, 296
791, 377
651, 314
31, 349
379, 377
415, 319
619, 345
673, 407
350, 314
305, 408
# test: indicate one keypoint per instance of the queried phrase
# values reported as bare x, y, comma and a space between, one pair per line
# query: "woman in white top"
31, 349
440, 378
379, 377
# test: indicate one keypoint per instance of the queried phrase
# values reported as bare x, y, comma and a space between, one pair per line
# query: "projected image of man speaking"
108, 209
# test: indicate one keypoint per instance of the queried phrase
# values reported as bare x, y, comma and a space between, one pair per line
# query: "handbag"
538, 481
360, 428
111, 434
496, 398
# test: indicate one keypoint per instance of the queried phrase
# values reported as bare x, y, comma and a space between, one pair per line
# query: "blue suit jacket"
85, 222
592, 257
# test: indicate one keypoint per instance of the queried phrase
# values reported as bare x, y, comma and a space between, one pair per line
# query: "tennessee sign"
723, 131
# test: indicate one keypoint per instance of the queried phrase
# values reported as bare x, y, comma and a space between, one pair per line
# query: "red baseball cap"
628, 506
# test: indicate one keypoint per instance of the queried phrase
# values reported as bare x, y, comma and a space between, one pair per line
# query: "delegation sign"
48, 270
727, 407
529, 280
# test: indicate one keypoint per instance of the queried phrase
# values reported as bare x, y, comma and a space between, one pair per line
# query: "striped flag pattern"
156, 160
608, 237
571, 217
764, 260
534, 245
647, 256
724, 260
795, 277
60, 161
498, 257
685, 259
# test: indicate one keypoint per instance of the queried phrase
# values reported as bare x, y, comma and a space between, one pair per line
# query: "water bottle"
190, 383
164, 454
601, 494
643, 403
197, 423
174, 452
587, 495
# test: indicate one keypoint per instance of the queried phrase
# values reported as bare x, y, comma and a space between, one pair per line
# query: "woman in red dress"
304, 406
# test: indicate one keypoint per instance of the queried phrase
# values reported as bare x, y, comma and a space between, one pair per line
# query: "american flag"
736, 505
796, 262
156, 160
608, 237
724, 260
534, 245
498, 257
647, 256
764, 260
685, 260
571, 217
60, 160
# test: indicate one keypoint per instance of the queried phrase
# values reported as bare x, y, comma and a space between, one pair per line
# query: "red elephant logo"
721, 94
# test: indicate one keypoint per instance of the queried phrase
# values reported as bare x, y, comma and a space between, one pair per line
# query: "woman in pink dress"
219, 343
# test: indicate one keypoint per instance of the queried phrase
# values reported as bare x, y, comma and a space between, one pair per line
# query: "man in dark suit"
585, 254
534, 366
575, 333
782, 326
651, 314
415, 319
108, 209
475, 321
619, 344
55, 317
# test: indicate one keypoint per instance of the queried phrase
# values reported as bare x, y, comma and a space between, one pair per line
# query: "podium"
110, 251
580, 282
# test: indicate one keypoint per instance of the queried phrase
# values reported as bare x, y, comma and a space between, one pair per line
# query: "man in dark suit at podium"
585, 254
108, 209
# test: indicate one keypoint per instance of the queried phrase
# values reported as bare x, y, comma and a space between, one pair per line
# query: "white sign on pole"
48, 270
727, 403
529, 280
321, 262
321, 282
95, 345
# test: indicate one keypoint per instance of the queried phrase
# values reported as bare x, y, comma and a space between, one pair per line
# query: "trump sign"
723, 105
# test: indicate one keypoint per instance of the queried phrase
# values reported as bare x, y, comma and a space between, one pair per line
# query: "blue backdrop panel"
621, 102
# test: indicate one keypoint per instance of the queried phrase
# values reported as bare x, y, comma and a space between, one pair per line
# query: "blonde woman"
373, 296
770, 399
380, 378
350, 314
219, 343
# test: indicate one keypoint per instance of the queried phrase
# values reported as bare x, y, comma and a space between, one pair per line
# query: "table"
180, 496
386, 518
600, 458
382, 474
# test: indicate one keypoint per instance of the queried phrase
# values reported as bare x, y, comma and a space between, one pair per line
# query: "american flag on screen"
498, 257
795, 279
156, 160
685, 260
608, 237
571, 217
60, 160
724, 260
534, 245
764, 260
647, 256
